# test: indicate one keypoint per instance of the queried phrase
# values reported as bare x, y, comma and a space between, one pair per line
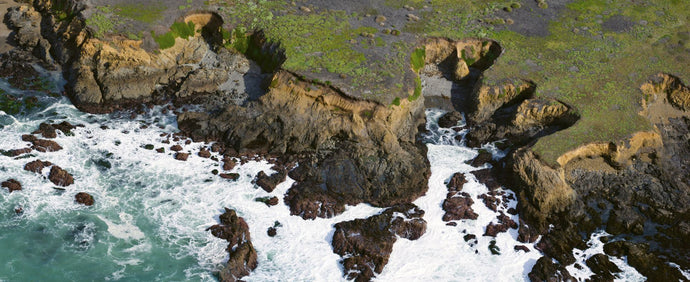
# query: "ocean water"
151, 211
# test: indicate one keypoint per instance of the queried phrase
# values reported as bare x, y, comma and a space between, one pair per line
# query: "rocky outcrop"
43, 145
461, 55
269, 182
458, 204
648, 264
12, 185
243, 257
36, 166
84, 198
366, 244
60, 177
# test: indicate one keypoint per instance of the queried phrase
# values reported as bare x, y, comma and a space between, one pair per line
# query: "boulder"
28, 138
602, 267
481, 159
366, 244
181, 156
12, 185
228, 164
458, 206
84, 198
36, 166
456, 182
230, 176
176, 148
60, 177
43, 145
16, 152
204, 154
521, 248
243, 256
547, 270
272, 232
269, 182
484, 176
450, 119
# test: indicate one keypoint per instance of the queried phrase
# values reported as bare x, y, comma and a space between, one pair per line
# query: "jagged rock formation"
366, 244
242, 253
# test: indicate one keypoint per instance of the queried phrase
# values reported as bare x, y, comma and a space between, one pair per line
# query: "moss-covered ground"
590, 54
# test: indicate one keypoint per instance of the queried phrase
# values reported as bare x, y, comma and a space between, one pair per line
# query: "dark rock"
450, 119
269, 201
493, 248
243, 257
231, 176
625, 220
602, 267
16, 152
60, 177
181, 156
228, 164
546, 270
526, 234
456, 182
12, 185
272, 232
458, 206
521, 248
84, 198
452, 224
481, 159
490, 200
149, 147
28, 138
310, 206
43, 145
160, 150
484, 176
204, 153
469, 237
176, 148
647, 263
46, 130
36, 166
504, 223
367, 244
269, 183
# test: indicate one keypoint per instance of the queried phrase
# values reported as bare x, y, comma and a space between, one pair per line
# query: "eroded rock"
60, 177
243, 257
12, 185
84, 198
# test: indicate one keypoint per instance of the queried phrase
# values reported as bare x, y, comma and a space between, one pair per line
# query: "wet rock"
456, 182
469, 237
228, 164
521, 248
452, 224
46, 130
28, 138
491, 200
269, 201
458, 206
204, 153
450, 119
310, 206
647, 263
176, 148
12, 185
504, 223
526, 234
160, 150
43, 145
84, 198
602, 267
243, 257
181, 156
484, 176
16, 152
272, 232
481, 159
60, 177
546, 270
366, 244
269, 182
230, 176
36, 166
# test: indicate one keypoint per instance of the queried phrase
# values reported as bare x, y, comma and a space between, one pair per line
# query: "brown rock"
28, 138
243, 257
12, 185
456, 182
269, 183
485, 177
450, 119
204, 153
181, 156
231, 176
481, 159
458, 206
46, 130
228, 164
272, 232
84, 198
17, 152
367, 244
60, 177
521, 248
176, 148
36, 166
43, 145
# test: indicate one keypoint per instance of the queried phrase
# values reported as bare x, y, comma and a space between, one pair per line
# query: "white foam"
125, 230
596, 246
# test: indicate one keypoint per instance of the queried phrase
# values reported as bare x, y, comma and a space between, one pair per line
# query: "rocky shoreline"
352, 150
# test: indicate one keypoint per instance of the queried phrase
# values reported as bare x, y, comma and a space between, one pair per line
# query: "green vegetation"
417, 90
146, 13
177, 30
418, 59
103, 21
396, 101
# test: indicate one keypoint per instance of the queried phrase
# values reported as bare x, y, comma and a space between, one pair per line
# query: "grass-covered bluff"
590, 54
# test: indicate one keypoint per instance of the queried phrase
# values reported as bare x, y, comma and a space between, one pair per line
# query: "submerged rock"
243, 257
12, 185
84, 198
366, 244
